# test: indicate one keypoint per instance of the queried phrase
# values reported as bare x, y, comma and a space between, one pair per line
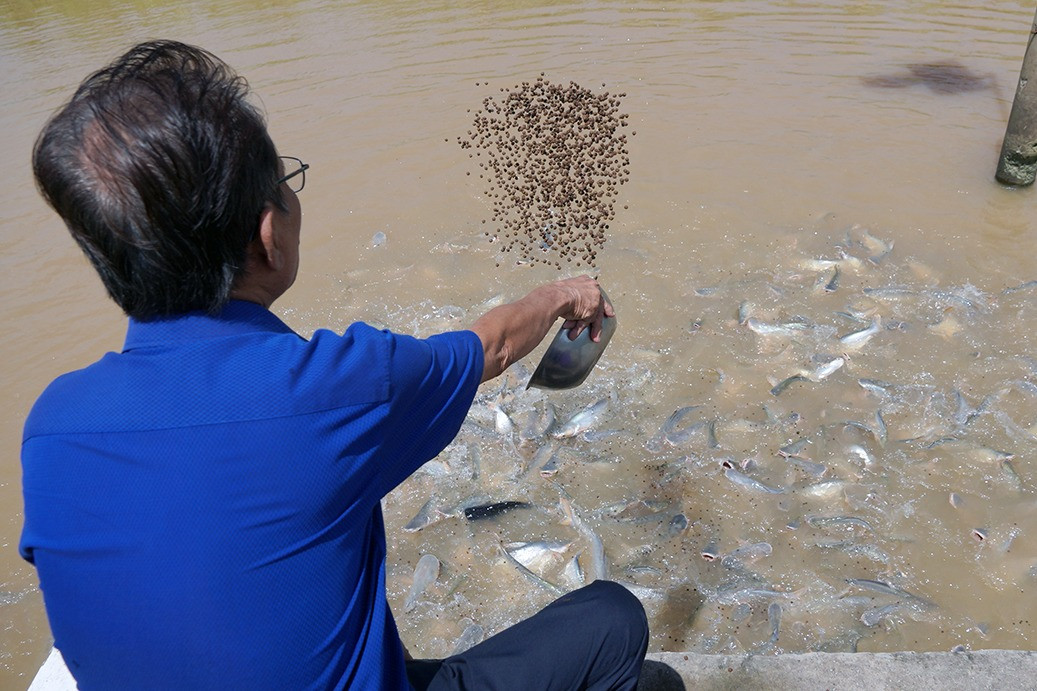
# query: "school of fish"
801, 471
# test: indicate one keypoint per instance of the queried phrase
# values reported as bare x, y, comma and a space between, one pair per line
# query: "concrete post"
1018, 162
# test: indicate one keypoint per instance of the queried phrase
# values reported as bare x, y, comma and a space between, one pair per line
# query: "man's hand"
509, 332
589, 301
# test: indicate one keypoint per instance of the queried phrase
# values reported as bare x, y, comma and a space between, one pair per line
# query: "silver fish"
583, 420
711, 435
794, 449
677, 525
598, 563
786, 329
871, 617
1009, 471
425, 574
745, 308
472, 635
866, 458
774, 618
879, 249
879, 388
750, 483
502, 422
807, 466
736, 595
428, 514
533, 577
887, 589
778, 388
537, 555
746, 554
668, 432
827, 369
823, 490
838, 521
573, 573
833, 283
857, 339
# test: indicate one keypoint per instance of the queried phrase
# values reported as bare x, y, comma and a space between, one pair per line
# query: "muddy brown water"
775, 142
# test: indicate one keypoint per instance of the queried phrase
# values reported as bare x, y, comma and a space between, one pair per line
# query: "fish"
866, 459
881, 432
857, 339
425, 574
531, 576
807, 466
538, 424
826, 370
538, 555
472, 635
476, 513
833, 282
502, 422
1028, 285
846, 261
774, 619
887, 589
1009, 472
668, 431
750, 483
824, 490
890, 292
428, 514
736, 594
879, 388
677, 525
745, 308
746, 554
582, 420
573, 573
794, 449
879, 249
598, 563
787, 329
640, 511
711, 435
778, 388
838, 521
550, 467
871, 617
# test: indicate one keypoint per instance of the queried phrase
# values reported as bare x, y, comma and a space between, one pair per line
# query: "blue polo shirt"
203, 507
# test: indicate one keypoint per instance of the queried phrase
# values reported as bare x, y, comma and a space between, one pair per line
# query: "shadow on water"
939, 77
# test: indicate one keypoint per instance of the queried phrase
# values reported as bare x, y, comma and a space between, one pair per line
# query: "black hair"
160, 167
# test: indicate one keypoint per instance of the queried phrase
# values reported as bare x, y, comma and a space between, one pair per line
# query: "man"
203, 507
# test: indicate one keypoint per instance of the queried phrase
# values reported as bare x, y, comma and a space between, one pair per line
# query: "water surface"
771, 135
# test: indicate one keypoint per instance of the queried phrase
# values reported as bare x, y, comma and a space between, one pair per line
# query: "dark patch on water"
939, 77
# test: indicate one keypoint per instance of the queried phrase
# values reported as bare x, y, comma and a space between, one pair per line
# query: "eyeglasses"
293, 167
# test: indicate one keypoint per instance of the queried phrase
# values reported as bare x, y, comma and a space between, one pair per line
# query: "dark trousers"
592, 638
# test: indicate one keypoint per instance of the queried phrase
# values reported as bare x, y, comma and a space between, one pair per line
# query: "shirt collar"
236, 318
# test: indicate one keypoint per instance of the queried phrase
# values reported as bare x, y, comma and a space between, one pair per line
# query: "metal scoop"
567, 363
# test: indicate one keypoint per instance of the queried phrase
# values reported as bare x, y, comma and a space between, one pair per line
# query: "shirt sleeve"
433, 382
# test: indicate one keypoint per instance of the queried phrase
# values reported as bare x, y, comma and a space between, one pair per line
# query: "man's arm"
510, 332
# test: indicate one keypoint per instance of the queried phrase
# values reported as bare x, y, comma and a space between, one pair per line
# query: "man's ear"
267, 239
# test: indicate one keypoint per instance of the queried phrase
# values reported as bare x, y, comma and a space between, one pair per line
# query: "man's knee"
617, 607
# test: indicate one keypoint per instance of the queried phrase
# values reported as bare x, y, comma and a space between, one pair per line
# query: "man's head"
160, 168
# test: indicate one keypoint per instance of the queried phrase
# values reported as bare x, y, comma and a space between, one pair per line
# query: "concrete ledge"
1003, 670
976, 671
